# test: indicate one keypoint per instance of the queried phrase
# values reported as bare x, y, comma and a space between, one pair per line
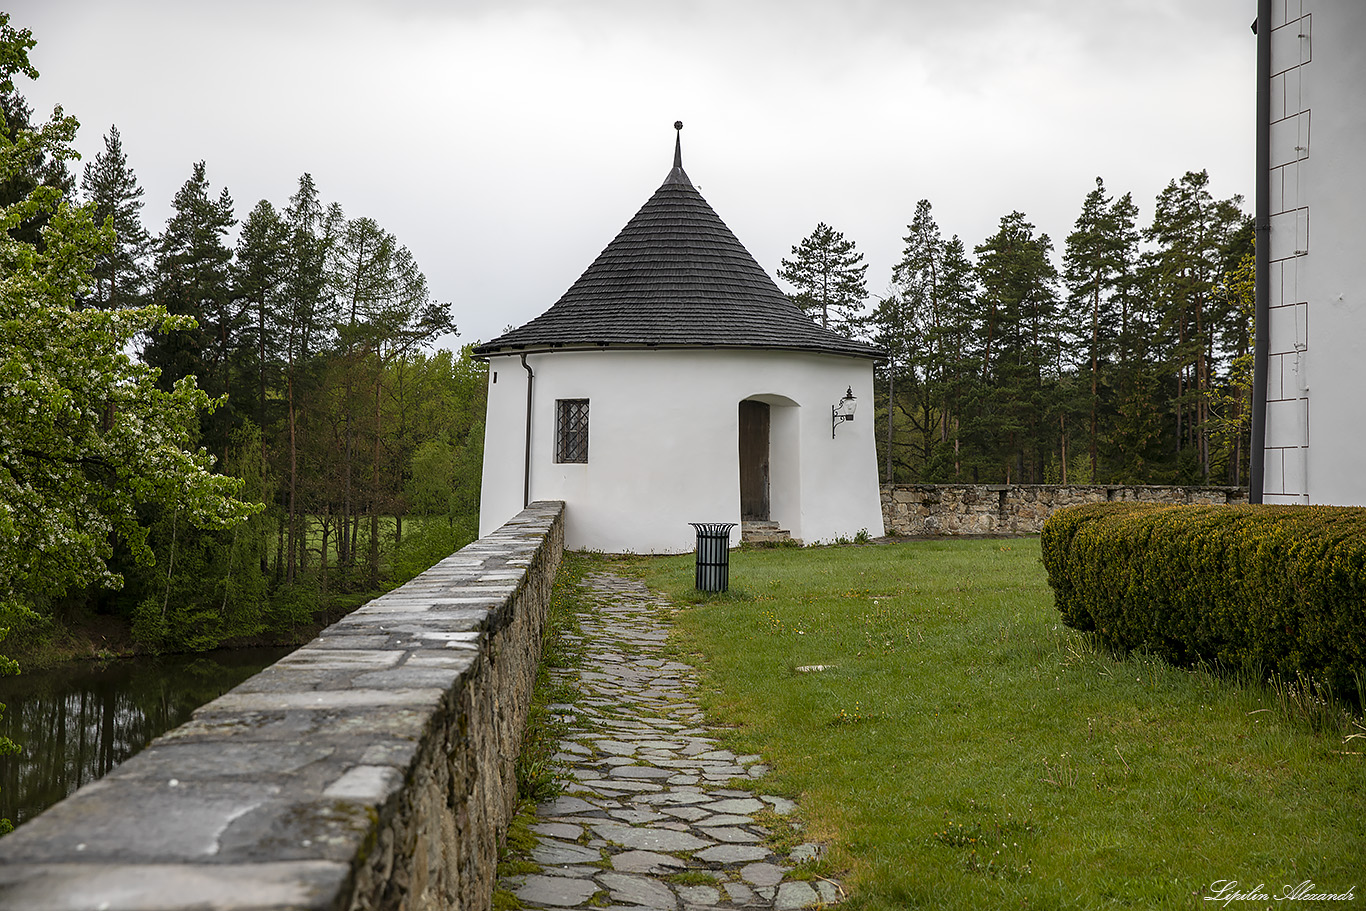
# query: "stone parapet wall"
371, 769
1017, 509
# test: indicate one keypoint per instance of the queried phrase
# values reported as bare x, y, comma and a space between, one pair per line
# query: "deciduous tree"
87, 437
386, 312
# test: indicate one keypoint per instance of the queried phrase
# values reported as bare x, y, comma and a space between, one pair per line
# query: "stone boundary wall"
1017, 509
370, 769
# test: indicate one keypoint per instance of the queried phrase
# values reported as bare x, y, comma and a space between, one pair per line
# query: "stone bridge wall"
370, 769
1016, 509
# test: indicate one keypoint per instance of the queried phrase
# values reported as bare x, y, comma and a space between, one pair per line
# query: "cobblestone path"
647, 820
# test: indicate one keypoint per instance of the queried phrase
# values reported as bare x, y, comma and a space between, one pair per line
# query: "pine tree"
30, 164
958, 290
1192, 231
1019, 350
830, 280
1098, 268
194, 278
904, 324
111, 186
1234, 312
260, 272
313, 231
922, 324
307, 317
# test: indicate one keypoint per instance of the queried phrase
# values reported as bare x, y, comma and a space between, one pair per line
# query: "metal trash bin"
713, 555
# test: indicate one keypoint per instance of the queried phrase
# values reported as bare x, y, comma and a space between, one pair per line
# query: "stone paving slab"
649, 818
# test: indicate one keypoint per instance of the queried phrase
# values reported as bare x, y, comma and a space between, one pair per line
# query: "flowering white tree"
86, 437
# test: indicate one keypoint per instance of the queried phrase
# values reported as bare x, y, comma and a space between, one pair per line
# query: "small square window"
571, 430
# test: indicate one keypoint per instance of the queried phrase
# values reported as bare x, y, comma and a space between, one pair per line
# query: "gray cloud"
507, 141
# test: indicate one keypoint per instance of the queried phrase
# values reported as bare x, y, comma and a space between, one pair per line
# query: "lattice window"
571, 430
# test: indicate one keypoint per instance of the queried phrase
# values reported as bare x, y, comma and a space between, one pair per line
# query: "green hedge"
1280, 589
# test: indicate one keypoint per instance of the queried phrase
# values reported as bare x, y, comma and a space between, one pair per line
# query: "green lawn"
965, 750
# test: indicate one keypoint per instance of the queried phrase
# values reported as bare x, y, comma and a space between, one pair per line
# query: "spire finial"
678, 144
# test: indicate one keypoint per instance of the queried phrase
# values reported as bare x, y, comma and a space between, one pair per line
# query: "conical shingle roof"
675, 276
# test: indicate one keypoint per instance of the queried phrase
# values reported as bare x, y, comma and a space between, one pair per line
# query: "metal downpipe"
526, 461
1262, 276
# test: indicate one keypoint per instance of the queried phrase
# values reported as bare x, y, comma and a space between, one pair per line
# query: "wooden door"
753, 460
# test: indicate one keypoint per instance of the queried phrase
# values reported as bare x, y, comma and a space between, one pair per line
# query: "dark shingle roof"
675, 277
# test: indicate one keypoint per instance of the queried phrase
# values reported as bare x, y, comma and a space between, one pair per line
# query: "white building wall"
664, 444
1315, 431
500, 493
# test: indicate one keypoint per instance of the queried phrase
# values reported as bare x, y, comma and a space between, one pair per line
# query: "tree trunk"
294, 544
1202, 391
326, 522
891, 397
957, 466
1062, 424
344, 539
1095, 379
373, 560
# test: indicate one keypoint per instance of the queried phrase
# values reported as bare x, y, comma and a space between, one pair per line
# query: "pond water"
77, 722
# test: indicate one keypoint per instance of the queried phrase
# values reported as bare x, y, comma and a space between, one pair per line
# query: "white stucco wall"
1316, 377
664, 444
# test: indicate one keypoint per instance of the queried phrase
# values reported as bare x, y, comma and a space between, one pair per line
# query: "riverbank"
91, 637
97, 625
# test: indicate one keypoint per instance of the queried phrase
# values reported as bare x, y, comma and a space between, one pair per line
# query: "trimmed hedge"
1279, 589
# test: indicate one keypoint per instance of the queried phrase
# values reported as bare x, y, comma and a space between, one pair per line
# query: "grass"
693, 878
537, 771
963, 749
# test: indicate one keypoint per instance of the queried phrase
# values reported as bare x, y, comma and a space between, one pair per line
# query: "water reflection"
77, 722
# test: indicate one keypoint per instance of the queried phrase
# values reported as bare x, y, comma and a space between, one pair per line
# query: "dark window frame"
571, 431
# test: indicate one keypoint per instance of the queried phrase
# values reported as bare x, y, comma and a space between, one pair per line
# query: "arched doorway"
754, 461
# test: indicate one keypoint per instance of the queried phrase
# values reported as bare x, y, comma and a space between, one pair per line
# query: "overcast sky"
505, 142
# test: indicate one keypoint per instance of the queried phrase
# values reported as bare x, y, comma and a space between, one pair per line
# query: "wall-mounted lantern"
842, 412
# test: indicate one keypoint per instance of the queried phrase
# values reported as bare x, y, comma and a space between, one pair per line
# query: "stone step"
757, 531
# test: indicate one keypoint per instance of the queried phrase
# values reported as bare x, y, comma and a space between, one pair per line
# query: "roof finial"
678, 144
